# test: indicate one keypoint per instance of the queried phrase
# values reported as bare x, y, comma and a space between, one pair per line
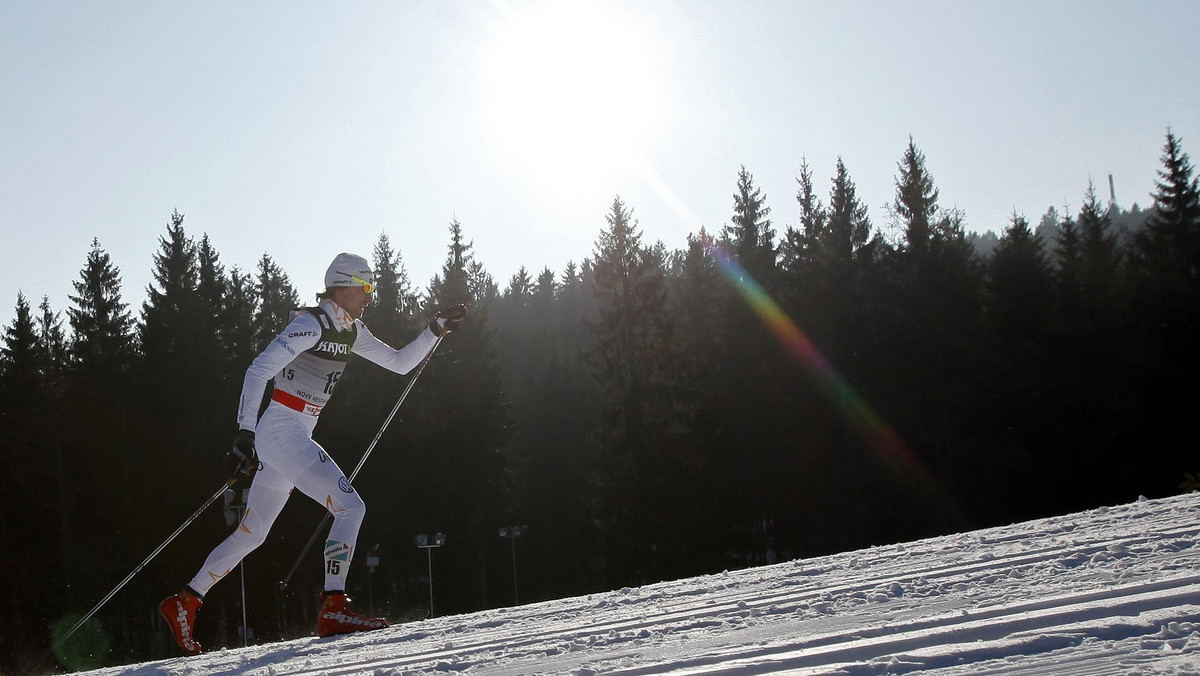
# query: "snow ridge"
1109, 591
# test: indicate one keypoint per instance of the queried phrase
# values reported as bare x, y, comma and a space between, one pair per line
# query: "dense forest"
759, 395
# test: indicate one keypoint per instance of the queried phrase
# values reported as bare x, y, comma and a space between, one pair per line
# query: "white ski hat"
345, 268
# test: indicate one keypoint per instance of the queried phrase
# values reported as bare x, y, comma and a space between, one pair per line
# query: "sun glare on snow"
571, 93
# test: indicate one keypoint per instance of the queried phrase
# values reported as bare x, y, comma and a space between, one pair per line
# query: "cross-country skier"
278, 451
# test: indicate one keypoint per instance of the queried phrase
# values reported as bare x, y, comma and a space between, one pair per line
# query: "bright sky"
305, 128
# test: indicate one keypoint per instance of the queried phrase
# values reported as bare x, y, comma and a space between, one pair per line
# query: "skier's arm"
400, 361
301, 334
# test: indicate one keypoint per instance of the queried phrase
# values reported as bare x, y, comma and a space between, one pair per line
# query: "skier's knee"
352, 507
247, 540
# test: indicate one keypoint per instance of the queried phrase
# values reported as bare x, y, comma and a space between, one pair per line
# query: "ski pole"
325, 520
135, 571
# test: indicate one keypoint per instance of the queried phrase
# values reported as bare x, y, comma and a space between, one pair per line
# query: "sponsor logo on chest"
332, 348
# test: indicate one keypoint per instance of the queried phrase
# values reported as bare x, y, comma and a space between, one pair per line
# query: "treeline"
756, 396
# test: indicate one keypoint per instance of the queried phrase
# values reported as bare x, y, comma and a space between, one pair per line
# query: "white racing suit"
305, 360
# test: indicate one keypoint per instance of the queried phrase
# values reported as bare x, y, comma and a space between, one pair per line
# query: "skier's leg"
324, 482
266, 499
264, 502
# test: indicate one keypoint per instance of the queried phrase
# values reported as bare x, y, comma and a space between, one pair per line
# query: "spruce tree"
1047, 232
211, 282
239, 338
694, 284
1088, 349
934, 317
224, 319
102, 340
1067, 259
1018, 306
553, 418
276, 301
520, 286
175, 284
33, 417
849, 227
746, 372
1099, 254
846, 234
98, 442
462, 430
483, 287
1018, 284
171, 329
53, 342
20, 359
1166, 268
1169, 246
915, 204
751, 237
393, 313
800, 246
648, 458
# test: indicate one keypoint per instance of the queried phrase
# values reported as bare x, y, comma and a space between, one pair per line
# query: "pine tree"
239, 337
393, 314
1089, 332
552, 404
1166, 268
101, 328
937, 287
1067, 258
849, 227
462, 426
752, 239
225, 320
483, 287
1169, 247
630, 292
694, 284
1099, 255
1047, 232
211, 282
32, 420
520, 286
577, 306
20, 358
53, 342
1018, 306
646, 452
1018, 285
97, 443
517, 339
171, 326
452, 285
915, 204
836, 304
799, 248
276, 300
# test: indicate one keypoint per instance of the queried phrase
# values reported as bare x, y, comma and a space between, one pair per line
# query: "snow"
1110, 591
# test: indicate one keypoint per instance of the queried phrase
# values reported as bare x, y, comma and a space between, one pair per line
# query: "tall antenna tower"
1112, 192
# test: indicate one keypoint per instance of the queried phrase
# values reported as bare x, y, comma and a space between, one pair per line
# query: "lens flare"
881, 438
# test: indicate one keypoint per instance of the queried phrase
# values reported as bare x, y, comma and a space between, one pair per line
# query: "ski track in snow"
1109, 591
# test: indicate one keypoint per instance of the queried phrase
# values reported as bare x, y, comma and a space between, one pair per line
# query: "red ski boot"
336, 617
179, 612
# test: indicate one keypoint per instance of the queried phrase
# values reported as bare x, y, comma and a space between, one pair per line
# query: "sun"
571, 91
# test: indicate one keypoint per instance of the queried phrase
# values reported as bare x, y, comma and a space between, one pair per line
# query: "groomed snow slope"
1109, 591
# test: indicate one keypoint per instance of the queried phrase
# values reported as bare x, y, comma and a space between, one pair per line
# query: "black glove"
243, 459
448, 319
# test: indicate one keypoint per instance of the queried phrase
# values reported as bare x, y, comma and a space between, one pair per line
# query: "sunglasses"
369, 287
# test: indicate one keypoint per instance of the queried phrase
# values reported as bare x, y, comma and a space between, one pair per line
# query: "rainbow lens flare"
878, 435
